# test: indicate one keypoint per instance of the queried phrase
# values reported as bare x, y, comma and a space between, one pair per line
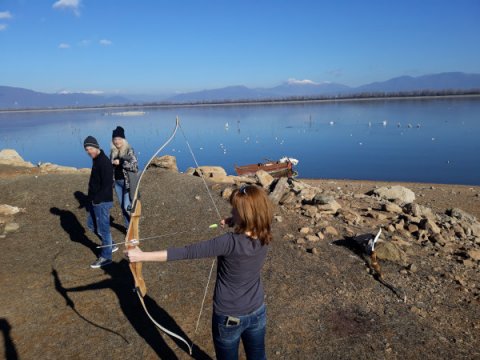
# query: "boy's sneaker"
114, 248
100, 262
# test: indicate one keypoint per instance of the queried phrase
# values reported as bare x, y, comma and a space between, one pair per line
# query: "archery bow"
133, 233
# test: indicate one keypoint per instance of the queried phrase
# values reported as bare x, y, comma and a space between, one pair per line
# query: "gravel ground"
320, 306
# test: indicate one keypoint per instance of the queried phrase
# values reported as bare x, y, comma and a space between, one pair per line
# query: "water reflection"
420, 140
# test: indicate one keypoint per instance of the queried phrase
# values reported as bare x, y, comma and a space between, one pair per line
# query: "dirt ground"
320, 306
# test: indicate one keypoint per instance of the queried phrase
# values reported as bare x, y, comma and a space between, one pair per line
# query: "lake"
427, 140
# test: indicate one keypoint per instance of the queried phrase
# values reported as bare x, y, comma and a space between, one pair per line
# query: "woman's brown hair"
255, 212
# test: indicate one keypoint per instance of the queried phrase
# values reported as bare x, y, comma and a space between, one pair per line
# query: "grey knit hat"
91, 141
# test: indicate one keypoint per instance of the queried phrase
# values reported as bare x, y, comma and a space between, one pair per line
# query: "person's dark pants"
98, 221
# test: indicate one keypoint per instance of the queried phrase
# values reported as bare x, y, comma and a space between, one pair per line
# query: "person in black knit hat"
100, 196
125, 171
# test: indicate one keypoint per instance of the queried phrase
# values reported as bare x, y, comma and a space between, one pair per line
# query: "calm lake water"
408, 140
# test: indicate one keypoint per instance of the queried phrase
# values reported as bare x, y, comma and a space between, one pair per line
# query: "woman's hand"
134, 255
227, 221
116, 162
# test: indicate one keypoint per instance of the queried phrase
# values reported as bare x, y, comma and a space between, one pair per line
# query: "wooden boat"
274, 168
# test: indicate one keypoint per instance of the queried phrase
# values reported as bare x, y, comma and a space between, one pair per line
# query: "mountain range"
19, 98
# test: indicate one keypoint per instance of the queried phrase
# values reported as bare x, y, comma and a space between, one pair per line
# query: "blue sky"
158, 47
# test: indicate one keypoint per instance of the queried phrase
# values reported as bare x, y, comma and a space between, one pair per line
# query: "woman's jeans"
124, 199
251, 329
98, 221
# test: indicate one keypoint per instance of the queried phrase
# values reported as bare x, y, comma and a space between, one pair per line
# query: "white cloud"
73, 5
5, 15
64, 46
300, 82
84, 43
89, 92
105, 42
3, 27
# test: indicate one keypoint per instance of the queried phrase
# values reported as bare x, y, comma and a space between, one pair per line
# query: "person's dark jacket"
100, 186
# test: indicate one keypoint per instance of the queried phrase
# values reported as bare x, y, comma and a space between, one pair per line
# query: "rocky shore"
324, 297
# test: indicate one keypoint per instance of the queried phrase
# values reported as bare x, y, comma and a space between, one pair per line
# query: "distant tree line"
342, 96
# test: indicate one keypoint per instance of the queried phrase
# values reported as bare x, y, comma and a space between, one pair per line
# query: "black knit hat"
118, 132
91, 141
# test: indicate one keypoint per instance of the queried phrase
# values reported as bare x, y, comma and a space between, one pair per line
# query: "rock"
288, 198
376, 215
437, 239
7, 210
223, 179
396, 193
412, 228
461, 215
400, 225
278, 218
264, 178
227, 192
312, 238
419, 211
190, 171
315, 251
11, 227
167, 162
331, 208
391, 228
392, 208
330, 230
391, 252
430, 225
305, 230
474, 254
321, 199
350, 217
412, 267
12, 158
418, 311
281, 188
320, 235
211, 171
53, 168
300, 241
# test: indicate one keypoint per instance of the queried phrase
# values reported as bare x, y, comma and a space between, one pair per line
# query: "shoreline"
239, 103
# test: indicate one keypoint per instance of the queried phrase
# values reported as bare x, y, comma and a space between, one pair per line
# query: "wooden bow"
133, 233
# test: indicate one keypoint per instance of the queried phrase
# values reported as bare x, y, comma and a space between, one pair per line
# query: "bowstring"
219, 217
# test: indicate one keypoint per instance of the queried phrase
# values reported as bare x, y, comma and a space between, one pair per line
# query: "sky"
166, 47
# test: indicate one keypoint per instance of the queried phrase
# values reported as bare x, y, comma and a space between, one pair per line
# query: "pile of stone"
10, 157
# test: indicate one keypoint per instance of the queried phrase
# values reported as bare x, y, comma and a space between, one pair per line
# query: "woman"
124, 164
238, 306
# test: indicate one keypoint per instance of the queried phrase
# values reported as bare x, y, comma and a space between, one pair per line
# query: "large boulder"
210, 171
264, 178
282, 187
167, 162
12, 158
391, 252
396, 193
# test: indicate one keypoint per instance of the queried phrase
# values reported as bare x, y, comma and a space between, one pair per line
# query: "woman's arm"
137, 255
129, 162
218, 246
